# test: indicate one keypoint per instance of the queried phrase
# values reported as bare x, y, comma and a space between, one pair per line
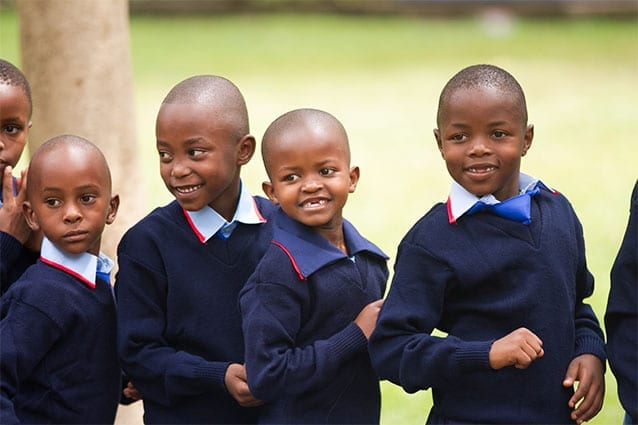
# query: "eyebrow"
188, 142
83, 187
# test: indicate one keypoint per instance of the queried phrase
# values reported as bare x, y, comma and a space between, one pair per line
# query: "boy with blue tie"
500, 269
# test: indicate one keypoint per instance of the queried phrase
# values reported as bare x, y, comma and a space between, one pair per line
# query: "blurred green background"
381, 76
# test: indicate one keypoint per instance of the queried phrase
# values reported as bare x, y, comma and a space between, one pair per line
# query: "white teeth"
188, 189
474, 170
317, 203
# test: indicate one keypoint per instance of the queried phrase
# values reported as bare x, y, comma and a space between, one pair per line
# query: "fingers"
591, 401
518, 348
7, 184
587, 370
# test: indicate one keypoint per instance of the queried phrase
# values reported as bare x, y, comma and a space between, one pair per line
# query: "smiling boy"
183, 265
500, 269
313, 300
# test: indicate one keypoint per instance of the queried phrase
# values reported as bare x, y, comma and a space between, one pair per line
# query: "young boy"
621, 316
313, 301
181, 268
57, 329
19, 246
500, 268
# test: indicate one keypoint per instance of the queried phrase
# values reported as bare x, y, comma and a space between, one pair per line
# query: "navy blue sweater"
621, 317
304, 354
477, 281
179, 325
58, 350
14, 260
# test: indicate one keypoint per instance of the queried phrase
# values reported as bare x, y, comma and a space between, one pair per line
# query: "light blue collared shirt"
207, 222
84, 266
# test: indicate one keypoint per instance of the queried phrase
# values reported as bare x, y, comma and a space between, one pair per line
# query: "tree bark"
76, 56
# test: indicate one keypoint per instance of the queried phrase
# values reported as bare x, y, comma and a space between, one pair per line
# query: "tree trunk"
76, 55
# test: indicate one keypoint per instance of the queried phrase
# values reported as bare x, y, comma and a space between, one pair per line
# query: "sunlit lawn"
381, 76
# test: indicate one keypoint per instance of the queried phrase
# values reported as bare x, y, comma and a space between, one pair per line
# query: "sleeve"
26, 336
160, 372
14, 260
402, 348
275, 363
589, 335
621, 316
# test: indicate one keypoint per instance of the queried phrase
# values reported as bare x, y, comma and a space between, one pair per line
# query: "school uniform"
179, 327
14, 259
621, 316
57, 342
477, 277
305, 356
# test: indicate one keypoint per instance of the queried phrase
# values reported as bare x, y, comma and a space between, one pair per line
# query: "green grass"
381, 76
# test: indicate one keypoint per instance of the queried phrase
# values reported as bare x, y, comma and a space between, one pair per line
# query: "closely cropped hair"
215, 91
12, 76
483, 76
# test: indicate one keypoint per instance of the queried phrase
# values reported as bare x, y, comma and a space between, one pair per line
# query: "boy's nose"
72, 214
479, 146
311, 185
179, 170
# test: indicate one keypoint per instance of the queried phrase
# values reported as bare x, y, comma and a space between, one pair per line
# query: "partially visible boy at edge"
500, 268
182, 266
621, 315
58, 352
19, 245
311, 305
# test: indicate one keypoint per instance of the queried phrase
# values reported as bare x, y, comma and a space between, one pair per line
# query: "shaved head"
301, 118
12, 76
217, 92
65, 143
482, 77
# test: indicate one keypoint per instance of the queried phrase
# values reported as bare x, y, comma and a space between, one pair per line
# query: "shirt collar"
83, 266
460, 200
206, 222
308, 251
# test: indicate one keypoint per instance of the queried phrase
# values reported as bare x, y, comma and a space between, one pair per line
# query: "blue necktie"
106, 277
226, 230
517, 208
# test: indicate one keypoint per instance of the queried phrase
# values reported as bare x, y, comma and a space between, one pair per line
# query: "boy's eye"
12, 129
164, 156
326, 171
499, 134
52, 202
459, 137
290, 177
87, 199
195, 152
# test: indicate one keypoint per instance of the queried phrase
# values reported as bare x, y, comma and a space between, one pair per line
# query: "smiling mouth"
185, 190
481, 170
314, 203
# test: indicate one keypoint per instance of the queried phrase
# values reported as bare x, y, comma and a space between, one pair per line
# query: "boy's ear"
529, 137
355, 173
30, 217
439, 142
245, 149
269, 190
114, 204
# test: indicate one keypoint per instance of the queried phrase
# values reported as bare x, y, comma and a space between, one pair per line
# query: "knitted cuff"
473, 356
